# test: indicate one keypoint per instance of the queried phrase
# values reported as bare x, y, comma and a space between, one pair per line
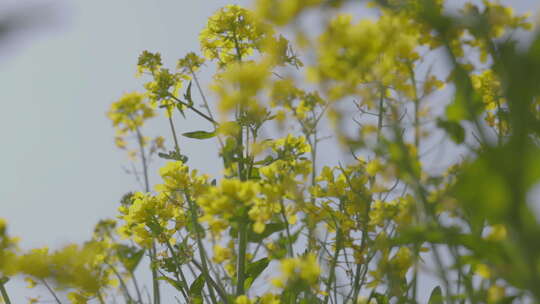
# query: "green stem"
242, 246
205, 101
381, 113
155, 282
287, 229
178, 271
199, 241
3, 290
122, 284
100, 298
416, 101
202, 253
136, 284
51, 291
333, 265
140, 141
175, 138
203, 96
192, 108
218, 287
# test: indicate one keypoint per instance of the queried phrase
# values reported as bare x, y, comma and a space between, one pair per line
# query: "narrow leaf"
196, 287
187, 95
256, 268
180, 108
199, 134
134, 260
268, 230
178, 285
436, 296
453, 129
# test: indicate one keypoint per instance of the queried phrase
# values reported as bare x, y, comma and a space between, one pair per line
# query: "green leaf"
453, 129
176, 284
436, 296
247, 283
380, 298
187, 95
173, 155
197, 286
269, 229
134, 260
130, 257
255, 173
200, 134
483, 190
253, 270
266, 161
180, 108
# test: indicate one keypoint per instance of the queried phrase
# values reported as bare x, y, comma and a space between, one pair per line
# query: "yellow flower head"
130, 112
303, 268
190, 63
231, 34
243, 299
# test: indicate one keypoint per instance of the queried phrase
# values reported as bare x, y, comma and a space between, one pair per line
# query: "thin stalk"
155, 282
136, 284
51, 291
178, 272
359, 277
380, 116
100, 298
363, 245
287, 229
416, 101
331, 278
122, 284
205, 101
312, 238
192, 108
237, 47
202, 253
242, 246
3, 290
463, 276
420, 191
177, 148
199, 241
201, 92
175, 138
499, 122
140, 141
239, 114
213, 283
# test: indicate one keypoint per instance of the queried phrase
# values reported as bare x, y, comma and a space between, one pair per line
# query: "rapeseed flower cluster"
298, 270
351, 54
227, 202
130, 112
232, 34
81, 269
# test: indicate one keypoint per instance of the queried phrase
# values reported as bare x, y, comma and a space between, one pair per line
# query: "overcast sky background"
59, 170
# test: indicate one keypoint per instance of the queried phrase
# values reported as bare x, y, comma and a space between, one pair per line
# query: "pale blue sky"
59, 170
